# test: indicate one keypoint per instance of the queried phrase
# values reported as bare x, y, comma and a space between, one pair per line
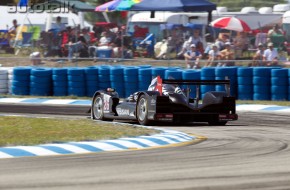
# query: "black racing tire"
98, 109
217, 123
142, 111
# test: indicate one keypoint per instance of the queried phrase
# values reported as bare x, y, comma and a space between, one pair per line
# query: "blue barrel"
130, 80
117, 80
91, 80
41, 82
191, 75
144, 66
59, 81
262, 83
173, 74
222, 73
279, 84
104, 74
207, 73
21, 81
245, 83
245, 72
144, 78
76, 82
158, 71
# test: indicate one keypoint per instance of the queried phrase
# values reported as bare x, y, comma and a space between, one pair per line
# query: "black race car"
217, 108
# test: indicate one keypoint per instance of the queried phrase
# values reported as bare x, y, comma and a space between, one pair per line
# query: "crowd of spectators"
66, 41
225, 50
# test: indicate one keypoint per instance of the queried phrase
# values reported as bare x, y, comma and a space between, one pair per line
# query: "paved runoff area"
164, 139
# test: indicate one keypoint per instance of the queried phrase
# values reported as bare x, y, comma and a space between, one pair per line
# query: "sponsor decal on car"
153, 101
106, 103
121, 111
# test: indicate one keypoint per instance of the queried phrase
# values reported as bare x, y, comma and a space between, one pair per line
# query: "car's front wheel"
142, 111
97, 108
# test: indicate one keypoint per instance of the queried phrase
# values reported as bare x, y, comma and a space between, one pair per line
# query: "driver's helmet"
166, 88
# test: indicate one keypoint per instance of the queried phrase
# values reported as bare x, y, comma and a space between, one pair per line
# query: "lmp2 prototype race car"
166, 102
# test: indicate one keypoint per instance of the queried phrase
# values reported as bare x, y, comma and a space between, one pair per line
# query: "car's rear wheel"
142, 111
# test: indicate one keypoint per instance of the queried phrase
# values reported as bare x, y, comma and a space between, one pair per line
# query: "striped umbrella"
117, 5
231, 23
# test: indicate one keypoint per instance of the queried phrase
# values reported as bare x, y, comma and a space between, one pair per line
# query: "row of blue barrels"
264, 83
246, 83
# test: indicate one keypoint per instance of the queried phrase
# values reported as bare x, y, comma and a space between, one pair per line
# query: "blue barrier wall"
257, 83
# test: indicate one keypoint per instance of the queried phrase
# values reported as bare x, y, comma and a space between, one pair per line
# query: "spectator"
79, 47
228, 55
209, 42
13, 30
199, 47
221, 40
58, 25
105, 40
213, 56
103, 43
195, 38
240, 43
192, 57
275, 31
185, 47
166, 47
121, 45
160, 48
270, 56
86, 34
258, 57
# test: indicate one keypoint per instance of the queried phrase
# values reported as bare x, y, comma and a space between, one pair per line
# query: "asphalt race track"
251, 153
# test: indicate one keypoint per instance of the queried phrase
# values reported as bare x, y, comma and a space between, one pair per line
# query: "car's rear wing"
197, 83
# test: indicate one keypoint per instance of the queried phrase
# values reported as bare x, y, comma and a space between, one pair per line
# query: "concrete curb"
166, 138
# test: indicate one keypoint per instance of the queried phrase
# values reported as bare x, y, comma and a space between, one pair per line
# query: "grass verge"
32, 131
